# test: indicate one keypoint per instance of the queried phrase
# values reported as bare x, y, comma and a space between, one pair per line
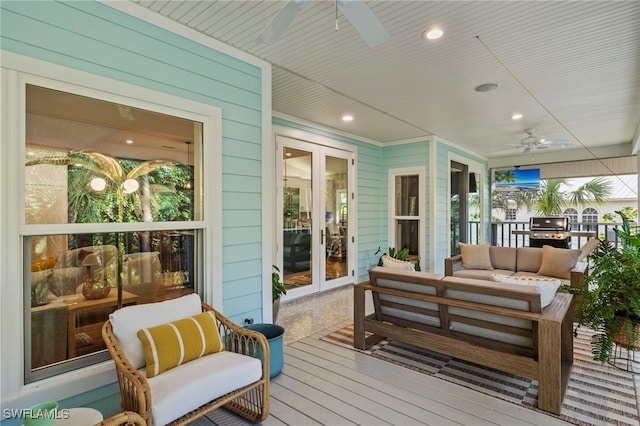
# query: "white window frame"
422, 205
15, 73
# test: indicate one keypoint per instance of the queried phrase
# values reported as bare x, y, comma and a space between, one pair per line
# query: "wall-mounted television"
517, 180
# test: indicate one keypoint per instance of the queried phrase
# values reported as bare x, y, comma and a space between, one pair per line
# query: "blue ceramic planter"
274, 334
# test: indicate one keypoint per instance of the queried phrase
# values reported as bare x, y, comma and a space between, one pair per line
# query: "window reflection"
123, 187
74, 284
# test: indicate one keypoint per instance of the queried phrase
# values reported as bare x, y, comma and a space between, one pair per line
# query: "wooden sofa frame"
552, 330
250, 402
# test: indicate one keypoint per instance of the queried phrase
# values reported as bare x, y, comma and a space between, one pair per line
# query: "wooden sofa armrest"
450, 263
578, 272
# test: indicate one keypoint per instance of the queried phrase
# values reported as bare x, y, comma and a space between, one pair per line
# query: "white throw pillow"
476, 256
547, 287
390, 262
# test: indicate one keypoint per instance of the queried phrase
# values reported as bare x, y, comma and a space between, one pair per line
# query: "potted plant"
608, 302
277, 290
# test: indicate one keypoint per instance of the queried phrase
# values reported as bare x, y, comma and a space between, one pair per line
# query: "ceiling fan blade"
555, 143
281, 21
527, 150
364, 21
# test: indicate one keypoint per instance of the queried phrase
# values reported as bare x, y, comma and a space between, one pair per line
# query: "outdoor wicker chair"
250, 401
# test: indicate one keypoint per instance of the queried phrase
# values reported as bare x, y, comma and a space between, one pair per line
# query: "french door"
315, 195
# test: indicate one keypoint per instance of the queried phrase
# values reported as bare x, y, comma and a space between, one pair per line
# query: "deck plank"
326, 384
449, 400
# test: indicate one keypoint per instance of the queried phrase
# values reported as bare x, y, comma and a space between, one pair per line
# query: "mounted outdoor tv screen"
517, 180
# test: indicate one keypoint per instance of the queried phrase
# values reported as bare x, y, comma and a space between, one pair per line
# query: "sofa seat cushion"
480, 274
191, 385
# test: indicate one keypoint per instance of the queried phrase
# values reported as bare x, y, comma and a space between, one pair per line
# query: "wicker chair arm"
242, 340
134, 389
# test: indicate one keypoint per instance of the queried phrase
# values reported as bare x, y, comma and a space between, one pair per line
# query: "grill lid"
553, 223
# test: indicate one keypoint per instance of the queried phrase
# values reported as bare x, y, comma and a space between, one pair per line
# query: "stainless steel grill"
551, 231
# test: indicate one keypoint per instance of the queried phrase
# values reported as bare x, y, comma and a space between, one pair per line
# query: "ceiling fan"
360, 16
532, 142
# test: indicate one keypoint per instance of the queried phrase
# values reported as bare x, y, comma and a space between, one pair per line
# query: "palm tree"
553, 198
505, 176
100, 188
110, 183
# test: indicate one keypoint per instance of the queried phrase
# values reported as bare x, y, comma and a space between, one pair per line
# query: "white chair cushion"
127, 321
191, 385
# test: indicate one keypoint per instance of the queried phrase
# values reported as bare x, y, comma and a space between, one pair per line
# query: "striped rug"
597, 394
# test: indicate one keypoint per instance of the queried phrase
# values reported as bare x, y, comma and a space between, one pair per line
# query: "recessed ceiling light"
486, 87
129, 142
347, 117
432, 34
516, 116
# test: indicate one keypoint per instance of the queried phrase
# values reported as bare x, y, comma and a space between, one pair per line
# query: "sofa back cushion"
128, 320
406, 308
558, 262
503, 257
529, 259
476, 256
502, 329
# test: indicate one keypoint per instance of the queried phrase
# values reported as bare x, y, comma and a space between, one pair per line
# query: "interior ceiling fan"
360, 16
532, 142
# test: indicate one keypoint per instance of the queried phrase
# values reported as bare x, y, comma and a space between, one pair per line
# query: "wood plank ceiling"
571, 68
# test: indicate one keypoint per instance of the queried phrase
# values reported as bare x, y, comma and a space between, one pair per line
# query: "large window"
113, 217
590, 219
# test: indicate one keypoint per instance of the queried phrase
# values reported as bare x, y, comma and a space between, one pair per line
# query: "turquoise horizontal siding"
93, 37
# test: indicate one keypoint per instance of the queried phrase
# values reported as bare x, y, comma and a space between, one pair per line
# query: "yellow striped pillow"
169, 345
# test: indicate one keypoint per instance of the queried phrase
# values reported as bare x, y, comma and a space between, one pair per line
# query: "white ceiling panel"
572, 68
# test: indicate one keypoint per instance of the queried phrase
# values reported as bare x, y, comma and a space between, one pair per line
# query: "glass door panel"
297, 210
316, 201
336, 208
459, 215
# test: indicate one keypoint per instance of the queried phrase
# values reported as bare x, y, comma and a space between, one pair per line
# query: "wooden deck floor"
322, 383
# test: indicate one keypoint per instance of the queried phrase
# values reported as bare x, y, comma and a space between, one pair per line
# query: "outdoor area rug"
597, 394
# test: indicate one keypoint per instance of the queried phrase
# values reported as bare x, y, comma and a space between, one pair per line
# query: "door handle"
321, 236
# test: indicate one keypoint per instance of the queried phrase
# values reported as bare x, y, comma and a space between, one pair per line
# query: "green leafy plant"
608, 301
277, 287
